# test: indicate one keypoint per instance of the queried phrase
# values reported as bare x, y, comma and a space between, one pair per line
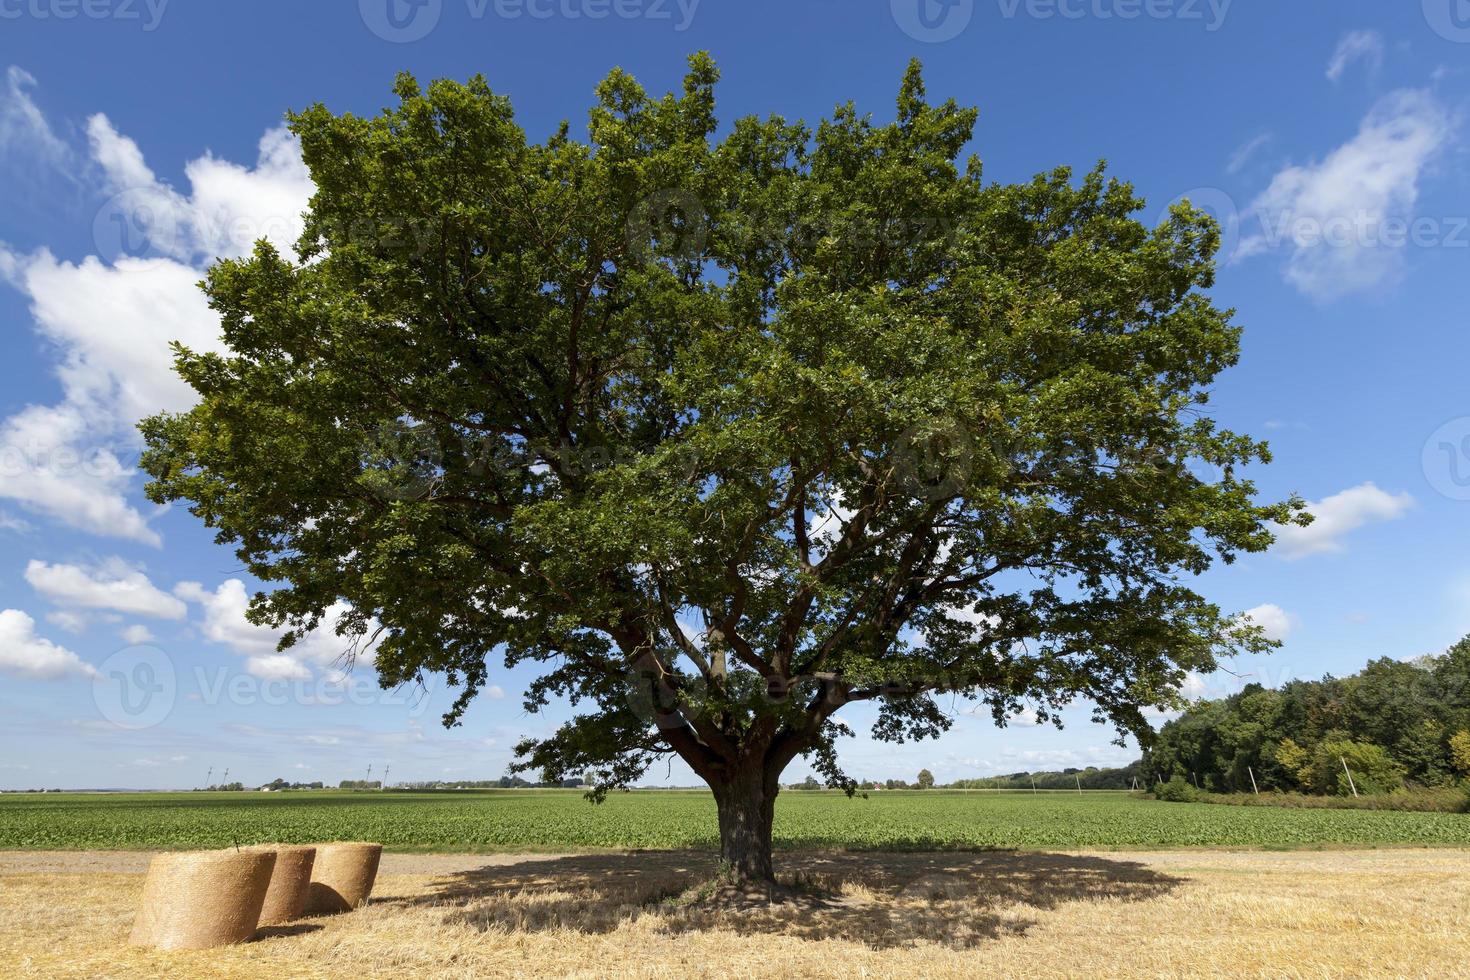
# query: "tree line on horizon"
1396, 724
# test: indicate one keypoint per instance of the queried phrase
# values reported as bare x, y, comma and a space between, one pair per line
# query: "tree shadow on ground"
881, 900
283, 932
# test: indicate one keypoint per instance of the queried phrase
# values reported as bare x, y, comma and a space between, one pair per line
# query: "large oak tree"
725, 429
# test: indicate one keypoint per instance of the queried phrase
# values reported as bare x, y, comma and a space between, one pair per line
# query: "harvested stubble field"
561, 820
901, 884
1401, 912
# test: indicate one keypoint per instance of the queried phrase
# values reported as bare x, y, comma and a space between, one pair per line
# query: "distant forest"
1396, 724
1090, 778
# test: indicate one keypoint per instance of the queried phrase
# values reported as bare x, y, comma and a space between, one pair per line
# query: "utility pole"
369, 778
207, 778
386, 770
1078, 777
1254, 787
1033, 782
1349, 776
225, 779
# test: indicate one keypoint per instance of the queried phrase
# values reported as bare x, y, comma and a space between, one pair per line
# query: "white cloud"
1345, 221
1356, 46
50, 466
228, 208
114, 323
277, 667
110, 317
1275, 621
112, 584
495, 692
15, 524
72, 622
1244, 153
137, 634
25, 655
23, 127
829, 520
225, 623
1195, 685
1337, 516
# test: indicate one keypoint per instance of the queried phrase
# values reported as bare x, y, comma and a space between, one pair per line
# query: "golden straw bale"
285, 900
203, 899
342, 877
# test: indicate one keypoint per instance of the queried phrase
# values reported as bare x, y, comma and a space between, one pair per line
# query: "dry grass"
1318, 914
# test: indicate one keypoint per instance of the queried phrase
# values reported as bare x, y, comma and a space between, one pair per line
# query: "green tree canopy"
724, 432
1399, 720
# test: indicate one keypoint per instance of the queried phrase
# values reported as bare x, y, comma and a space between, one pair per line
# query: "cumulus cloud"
228, 207
25, 655
111, 316
1195, 685
51, 466
277, 667
1275, 621
1344, 222
112, 584
1356, 46
224, 623
137, 634
1338, 516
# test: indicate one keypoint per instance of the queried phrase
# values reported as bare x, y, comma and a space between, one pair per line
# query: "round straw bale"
203, 899
285, 900
342, 877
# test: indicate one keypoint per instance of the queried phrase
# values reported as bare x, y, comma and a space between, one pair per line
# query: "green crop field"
529, 820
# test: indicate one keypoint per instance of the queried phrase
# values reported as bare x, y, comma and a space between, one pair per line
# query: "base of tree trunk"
747, 810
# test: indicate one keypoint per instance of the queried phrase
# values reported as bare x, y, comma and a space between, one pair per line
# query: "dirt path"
136, 862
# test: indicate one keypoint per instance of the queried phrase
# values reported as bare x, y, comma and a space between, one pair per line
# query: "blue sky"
1329, 137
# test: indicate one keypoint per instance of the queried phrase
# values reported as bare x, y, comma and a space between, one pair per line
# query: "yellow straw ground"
1300, 914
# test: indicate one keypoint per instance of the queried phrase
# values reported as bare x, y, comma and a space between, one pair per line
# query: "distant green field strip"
511, 820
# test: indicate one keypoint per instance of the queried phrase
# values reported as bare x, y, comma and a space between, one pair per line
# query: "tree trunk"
747, 808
